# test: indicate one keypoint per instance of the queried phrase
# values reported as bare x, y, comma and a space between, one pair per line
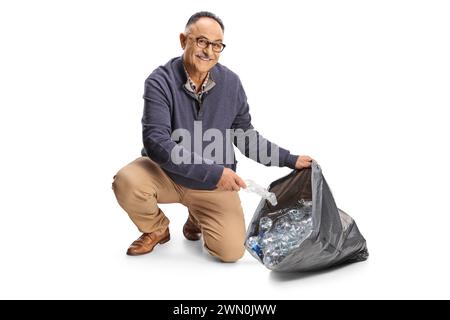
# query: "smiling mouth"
204, 58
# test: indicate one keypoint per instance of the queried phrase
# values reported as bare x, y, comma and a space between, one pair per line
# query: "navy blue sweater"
170, 106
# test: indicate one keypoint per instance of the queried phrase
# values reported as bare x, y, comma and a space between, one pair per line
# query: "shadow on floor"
196, 249
290, 276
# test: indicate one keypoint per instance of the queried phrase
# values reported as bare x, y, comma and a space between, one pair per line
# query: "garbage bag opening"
289, 190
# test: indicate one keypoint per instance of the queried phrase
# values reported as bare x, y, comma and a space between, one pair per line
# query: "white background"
361, 86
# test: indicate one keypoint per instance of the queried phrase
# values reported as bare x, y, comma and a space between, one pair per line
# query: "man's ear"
183, 39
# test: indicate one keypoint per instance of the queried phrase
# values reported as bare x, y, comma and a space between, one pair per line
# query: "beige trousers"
142, 184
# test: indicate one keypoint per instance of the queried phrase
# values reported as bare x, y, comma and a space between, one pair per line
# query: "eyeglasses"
203, 43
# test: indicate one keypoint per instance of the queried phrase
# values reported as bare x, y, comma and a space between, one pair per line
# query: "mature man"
194, 94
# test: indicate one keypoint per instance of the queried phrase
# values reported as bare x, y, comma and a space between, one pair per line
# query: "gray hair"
204, 14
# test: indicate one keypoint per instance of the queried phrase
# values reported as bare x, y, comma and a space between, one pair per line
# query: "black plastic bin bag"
306, 230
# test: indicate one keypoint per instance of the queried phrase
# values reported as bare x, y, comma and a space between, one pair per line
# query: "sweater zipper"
200, 105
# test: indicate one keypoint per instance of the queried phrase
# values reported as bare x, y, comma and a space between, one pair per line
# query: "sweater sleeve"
159, 146
252, 144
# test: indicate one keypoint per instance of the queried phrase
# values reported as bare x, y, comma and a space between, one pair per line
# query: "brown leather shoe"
147, 241
191, 230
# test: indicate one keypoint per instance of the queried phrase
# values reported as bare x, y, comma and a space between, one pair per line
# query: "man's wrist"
291, 160
214, 174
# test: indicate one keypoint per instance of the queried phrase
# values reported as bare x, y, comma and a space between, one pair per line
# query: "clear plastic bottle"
265, 223
253, 244
252, 186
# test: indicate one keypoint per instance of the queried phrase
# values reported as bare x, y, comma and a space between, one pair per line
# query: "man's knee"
226, 250
127, 185
122, 182
232, 254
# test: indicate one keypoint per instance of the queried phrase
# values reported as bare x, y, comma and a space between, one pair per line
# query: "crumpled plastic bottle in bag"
280, 235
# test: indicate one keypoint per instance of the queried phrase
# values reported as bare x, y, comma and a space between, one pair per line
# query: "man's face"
197, 59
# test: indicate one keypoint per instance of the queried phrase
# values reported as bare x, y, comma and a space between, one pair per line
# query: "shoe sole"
162, 241
193, 238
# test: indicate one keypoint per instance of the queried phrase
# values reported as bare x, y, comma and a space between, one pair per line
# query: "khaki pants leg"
138, 187
142, 184
221, 218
